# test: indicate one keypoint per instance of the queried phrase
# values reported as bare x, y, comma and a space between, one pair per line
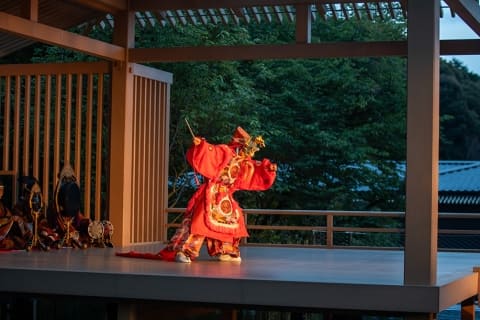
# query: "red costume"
212, 213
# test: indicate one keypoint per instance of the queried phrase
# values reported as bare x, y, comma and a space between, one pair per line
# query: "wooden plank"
131, 214
150, 5
164, 136
157, 145
98, 150
303, 27
52, 68
107, 6
54, 36
273, 277
87, 188
68, 119
30, 9
292, 51
26, 125
460, 47
468, 309
46, 137
155, 74
149, 173
142, 155
58, 123
281, 51
36, 127
16, 125
78, 125
6, 124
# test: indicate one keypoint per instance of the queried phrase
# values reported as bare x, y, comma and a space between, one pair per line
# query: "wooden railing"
344, 229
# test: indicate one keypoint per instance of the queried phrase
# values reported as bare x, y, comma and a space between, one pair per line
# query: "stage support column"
120, 192
421, 225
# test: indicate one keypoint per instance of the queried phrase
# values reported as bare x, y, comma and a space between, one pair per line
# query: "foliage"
460, 112
335, 127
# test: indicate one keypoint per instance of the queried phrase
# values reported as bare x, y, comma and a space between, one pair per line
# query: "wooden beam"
293, 51
107, 6
281, 51
54, 36
303, 26
469, 11
148, 5
30, 10
460, 47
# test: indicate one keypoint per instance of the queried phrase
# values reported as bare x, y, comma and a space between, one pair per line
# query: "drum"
95, 230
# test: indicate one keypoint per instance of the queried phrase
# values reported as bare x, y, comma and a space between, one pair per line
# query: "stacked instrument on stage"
62, 224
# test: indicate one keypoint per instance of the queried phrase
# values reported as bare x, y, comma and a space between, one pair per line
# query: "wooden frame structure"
53, 111
58, 114
422, 50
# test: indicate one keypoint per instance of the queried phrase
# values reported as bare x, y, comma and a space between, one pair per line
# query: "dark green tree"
460, 112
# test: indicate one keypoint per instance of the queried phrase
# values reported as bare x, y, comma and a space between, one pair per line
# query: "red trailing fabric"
162, 255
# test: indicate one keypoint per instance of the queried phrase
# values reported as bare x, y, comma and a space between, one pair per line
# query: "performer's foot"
227, 257
181, 257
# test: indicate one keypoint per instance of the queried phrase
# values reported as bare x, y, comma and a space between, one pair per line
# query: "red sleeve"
208, 159
256, 175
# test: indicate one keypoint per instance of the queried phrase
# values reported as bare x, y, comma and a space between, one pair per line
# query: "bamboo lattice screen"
150, 153
57, 114
52, 115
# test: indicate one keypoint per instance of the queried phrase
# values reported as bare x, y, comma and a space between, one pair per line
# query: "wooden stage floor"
297, 278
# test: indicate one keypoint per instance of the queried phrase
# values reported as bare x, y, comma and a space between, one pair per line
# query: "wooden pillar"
477, 270
467, 311
422, 143
120, 195
303, 23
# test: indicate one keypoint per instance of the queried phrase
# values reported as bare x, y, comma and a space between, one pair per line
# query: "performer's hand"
272, 167
197, 140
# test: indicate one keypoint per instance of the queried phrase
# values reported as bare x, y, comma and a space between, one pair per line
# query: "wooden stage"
296, 278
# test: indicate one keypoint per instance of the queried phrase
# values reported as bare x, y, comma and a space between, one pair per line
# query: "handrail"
330, 228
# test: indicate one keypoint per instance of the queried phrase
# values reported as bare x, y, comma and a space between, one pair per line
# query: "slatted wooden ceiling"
264, 14
87, 13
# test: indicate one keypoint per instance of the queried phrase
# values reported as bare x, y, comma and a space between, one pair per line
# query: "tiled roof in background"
459, 183
459, 176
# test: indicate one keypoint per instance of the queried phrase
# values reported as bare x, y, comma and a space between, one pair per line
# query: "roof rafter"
303, 23
54, 36
321, 10
469, 11
145, 5
108, 6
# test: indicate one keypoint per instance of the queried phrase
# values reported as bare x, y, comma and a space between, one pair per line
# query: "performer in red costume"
212, 215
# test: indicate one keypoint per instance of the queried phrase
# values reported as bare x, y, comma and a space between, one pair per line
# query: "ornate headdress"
243, 140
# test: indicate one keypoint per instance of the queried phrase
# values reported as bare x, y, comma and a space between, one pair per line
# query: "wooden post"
468, 309
303, 23
120, 195
421, 218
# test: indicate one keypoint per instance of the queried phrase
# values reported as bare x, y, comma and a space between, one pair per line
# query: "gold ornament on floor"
35, 203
